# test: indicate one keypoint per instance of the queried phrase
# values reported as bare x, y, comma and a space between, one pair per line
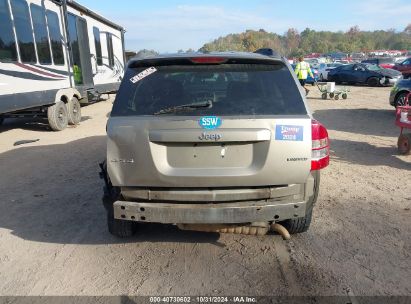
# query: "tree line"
294, 43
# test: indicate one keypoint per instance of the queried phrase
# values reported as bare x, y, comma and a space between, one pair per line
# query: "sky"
168, 26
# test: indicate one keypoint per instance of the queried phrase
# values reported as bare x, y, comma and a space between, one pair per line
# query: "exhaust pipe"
256, 229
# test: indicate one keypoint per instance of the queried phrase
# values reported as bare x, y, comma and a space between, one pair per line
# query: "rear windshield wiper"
194, 105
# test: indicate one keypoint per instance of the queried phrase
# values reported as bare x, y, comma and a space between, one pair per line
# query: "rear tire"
74, 111
118, 228
302, 224
404, 144
373, 81
57, 116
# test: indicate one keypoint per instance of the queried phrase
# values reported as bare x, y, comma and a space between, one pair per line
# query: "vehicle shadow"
363, 153
378, 122
29, 124
53, 194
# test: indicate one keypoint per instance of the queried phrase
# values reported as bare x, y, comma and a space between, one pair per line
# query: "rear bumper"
217, 213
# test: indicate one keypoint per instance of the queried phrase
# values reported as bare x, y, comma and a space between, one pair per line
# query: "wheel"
74, 111
298, 225
332, 95
321, 77
404, 144
118, 228
324, 96
57, 116
373, 81
336, 97
400, 99
344, 95
313, 84
1, 120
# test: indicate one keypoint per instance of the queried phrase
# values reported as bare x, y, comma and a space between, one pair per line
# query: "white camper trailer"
54, 55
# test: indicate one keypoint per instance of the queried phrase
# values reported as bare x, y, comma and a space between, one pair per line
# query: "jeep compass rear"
216, 140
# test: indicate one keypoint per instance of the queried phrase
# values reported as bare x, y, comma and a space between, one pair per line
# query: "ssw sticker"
293, 133
210, 122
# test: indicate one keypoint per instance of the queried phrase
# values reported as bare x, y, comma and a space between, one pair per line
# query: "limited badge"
293, 133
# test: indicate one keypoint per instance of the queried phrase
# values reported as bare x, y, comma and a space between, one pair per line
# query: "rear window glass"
229, 89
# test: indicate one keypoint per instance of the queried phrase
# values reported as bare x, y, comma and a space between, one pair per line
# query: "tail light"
320, 155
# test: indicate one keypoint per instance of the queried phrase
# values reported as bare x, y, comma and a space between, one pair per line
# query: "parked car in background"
324, 68
399, 92
310, 80
398, 60
404, 67
314, 62
386, 63
370, 74
342, 61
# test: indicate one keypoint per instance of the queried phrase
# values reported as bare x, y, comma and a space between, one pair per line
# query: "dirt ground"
54, 241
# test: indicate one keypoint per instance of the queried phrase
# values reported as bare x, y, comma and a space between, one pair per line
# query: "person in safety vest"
78, 76
302, 70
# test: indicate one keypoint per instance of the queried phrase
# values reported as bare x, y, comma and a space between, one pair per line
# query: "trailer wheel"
344, 96
324, 96
332, 95
74, 111
57, 116
404, 144
336, 97
302, 224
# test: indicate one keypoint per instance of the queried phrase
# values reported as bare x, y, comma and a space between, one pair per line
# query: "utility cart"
403, 120
329, 89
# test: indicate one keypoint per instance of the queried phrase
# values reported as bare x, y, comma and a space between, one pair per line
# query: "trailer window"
97, 42
110, 50
24, 31
55, 37
8, 50
40, 33
75, 49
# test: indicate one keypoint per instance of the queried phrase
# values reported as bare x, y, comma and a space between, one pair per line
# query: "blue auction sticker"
292, 133
210, 122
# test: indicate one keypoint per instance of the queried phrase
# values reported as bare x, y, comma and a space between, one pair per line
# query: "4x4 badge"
210, 122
